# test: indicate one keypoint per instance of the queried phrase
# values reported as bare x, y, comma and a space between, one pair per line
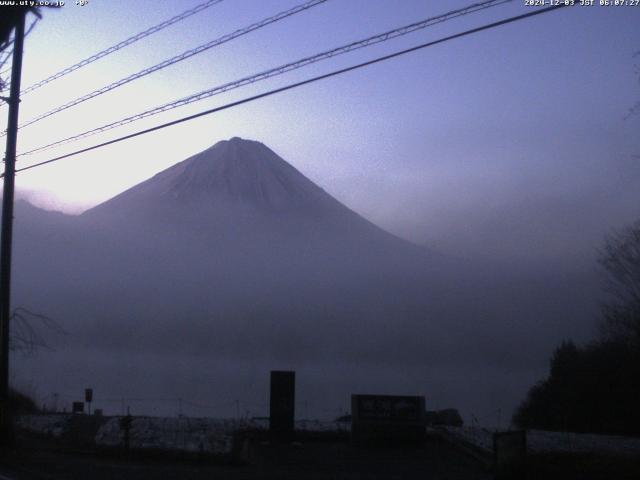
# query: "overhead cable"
124, 43
382, 37
298, 84
178, 58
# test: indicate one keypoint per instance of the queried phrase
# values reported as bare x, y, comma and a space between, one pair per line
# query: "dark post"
125, 426
7, 228
282, 404
88, 397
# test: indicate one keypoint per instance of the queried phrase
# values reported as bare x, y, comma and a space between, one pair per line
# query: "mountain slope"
236, 172
233, 261
243, 207
235, 179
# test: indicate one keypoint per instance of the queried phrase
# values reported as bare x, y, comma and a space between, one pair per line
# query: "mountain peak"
232, 173
239, 189
240, 172
239, 140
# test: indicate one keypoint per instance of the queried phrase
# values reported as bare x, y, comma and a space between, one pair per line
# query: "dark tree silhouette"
596, 388
20, 402
620, 259
591, 389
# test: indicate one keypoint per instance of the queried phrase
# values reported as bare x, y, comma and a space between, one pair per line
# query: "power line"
7, 57
6, 45
299, 84
178, 58
382, 37
122, 44
32, 26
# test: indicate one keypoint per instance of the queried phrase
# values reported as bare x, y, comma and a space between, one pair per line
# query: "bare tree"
27, 331
620, 260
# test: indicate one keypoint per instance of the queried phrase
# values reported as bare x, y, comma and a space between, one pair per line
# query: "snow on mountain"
233, 262
233, 175
231, 172
240, 201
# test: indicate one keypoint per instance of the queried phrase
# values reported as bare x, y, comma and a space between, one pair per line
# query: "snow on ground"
479, 437
210, 435
206, 435
543, 441
539, 441
53, 425
321, 426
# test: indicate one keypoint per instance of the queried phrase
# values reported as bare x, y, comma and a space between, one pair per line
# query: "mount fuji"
232, 262
239, 190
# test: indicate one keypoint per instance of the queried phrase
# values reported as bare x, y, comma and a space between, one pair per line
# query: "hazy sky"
509, 143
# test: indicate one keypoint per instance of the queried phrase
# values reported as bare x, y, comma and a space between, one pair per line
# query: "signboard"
282, 403
510, 451
387, 418
77, 407
88, 395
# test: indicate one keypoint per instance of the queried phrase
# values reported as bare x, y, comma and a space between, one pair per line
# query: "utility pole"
7, 228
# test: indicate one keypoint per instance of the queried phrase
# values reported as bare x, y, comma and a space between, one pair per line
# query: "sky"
513, 144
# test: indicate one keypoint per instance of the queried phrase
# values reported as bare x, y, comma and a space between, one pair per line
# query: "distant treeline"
596, 388
591, 389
